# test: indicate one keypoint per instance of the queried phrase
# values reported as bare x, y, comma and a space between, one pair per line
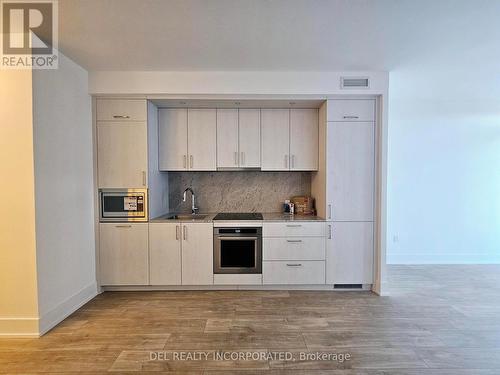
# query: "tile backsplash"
241, 191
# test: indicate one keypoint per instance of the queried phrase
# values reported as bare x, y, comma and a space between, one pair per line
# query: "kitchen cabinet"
350, 253
249, 137
275, 139
289, 139
121, 110
293, 253
238, 138
123, 254
293, 272
350, 175
172, 138
187, 139
164, 254
181, 253
351, 110
202, 141
197, 253
303, 139
122, 154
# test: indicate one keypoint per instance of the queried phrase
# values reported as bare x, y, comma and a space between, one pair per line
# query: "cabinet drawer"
294, 248
121, 110
351, 110
292, 229
293, 272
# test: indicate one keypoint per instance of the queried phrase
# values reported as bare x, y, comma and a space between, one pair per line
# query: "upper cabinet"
122, 154
303, 139
351, 110
238, 138
121, 110
187, 139
289, 139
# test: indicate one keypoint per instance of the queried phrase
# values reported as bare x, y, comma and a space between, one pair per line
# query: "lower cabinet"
350, 253
181, 253
164, 254
293, 253
123, 254
293, 272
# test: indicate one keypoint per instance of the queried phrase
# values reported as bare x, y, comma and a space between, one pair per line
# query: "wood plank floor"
436, 320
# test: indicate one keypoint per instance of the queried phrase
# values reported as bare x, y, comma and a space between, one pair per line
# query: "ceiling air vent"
354, 82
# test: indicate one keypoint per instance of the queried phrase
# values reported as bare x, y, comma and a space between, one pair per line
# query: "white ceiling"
271, 35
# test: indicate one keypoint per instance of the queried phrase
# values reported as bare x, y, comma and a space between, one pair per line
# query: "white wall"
444, 160
64, 190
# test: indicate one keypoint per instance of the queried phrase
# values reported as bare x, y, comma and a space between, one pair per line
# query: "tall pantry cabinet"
348, 169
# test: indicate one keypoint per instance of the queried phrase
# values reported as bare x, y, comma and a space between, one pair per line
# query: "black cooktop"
238, 216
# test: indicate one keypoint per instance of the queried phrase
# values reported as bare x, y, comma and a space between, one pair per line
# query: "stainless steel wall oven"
237, 250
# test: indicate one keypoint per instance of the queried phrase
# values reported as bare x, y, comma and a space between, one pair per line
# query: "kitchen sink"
187, 217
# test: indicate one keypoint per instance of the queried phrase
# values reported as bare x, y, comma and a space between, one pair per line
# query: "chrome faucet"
193, 207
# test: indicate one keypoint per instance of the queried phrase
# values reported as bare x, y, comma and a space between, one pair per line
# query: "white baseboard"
55, 316
19, 327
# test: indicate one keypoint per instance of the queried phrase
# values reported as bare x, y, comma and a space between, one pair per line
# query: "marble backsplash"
241, 191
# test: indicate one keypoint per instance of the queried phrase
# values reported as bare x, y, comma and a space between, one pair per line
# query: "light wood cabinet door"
121, 110
350, 253
350, 176
202, 140
351, 110
172, 139
123, 254
303, 139
227, 138
122, 154
197, 254
249, 138
275, 128
165, 253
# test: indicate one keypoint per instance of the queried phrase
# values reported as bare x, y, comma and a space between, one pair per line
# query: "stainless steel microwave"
117, 205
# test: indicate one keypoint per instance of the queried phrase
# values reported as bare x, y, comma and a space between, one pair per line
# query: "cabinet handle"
329, 231
190, 161
351, 117
242, 158
286, 161
123, 226
294, 225
121, 116
294, 241
177, 233
293, 161
329, 211
184, 162
184, 233
143, 178
294, 264
236, 158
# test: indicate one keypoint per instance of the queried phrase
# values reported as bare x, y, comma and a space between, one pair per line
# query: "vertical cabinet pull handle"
329, 211
242, 158
190, 161
286, 161
329, 231
236, 158
184, 162
184, 233
293, 161
177, 232
143, 178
